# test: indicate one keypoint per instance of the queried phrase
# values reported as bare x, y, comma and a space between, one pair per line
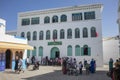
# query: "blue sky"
10, 8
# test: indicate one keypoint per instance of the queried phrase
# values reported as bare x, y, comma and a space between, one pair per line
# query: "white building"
110, 49
64, 32
11, 46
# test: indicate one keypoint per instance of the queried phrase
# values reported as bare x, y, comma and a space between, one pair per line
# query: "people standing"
33, 59
80, 67
110, 65
92, 66
27, 62
16, 63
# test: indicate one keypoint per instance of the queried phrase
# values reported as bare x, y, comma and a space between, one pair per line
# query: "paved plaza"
52, 73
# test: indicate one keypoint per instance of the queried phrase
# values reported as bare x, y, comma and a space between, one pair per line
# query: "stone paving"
52, 73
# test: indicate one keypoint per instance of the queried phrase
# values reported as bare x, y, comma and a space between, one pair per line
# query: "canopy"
15, 45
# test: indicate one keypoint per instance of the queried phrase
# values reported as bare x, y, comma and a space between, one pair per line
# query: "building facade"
10, 47
64, 32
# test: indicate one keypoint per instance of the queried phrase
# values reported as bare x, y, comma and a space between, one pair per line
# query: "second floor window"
69, 33
89, 15
41, 35
47, 19
55, 34
35, 20
76, 16
25, 21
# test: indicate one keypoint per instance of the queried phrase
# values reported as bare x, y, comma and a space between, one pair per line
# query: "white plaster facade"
94, 43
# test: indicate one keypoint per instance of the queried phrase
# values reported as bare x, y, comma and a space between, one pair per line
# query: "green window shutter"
77, 51
82, 51
89, 51
28, 53
34, 52
69, 51
40, 51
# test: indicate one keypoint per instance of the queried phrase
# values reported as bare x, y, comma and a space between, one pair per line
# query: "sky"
9, 10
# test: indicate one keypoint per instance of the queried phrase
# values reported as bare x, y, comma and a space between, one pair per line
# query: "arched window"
28, 36
47, 19
23, 34
41, 35
86, 51
34, 51
48, 35
28, 53
34, 35
85, 33
77, 50
40, 51
93, 32
62, 34
55, 34
69, 33
63, 18
55, 19
69, 50
77, 33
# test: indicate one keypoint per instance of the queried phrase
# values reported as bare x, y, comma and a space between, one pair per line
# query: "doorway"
8, 56
55, 53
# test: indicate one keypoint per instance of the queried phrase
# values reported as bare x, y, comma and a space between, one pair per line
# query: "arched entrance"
55, 53
8, 55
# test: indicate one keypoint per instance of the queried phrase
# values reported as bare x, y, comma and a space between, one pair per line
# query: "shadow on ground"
57, 75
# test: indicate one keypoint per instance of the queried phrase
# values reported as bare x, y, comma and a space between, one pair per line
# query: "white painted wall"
110, 50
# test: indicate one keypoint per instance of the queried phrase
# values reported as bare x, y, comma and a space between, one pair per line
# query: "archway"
55, 53
8, 56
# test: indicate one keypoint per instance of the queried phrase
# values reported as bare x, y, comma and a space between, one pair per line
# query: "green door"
53, 52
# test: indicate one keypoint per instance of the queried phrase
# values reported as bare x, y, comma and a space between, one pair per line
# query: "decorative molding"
57, 10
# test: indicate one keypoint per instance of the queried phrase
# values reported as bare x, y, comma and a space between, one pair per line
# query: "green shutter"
89, 51
69, 51
40, 51
77, 51
34, 52
82, 51
28, 53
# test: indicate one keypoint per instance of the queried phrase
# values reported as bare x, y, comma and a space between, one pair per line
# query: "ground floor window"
69, 50
34, 52
40, 51
77, 50
28, 53
85, 50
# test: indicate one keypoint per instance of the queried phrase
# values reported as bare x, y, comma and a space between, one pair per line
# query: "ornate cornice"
57, 10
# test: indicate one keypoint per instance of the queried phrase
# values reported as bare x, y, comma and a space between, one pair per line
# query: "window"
63, 18
77, 50
34, 35
34, 52
69, 33
76, 16
23, 34
55, 19
41, 35
69, 50
48, 35
25, 21
93, 32
55, 34
47, 19
77, 33
40, 51
62, 36
35, 20
28, 36
89, 15
85, 33
28, 53
86, 51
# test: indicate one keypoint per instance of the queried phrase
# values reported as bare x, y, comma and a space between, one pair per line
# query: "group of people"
114, 69
70, 66
18, 64
51, 61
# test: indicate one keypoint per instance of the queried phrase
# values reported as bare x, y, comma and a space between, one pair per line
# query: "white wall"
110, 50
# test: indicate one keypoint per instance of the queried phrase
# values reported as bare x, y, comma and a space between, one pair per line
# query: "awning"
15, 45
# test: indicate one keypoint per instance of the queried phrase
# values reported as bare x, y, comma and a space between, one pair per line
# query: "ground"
51, 73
